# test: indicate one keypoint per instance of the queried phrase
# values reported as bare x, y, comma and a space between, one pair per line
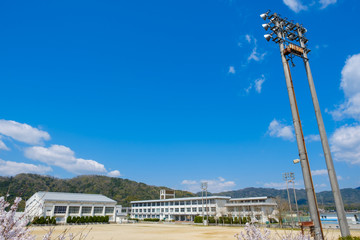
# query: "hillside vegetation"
124, 190
121, 190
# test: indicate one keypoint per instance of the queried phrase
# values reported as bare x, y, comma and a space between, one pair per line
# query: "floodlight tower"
288, 35
286, 178
204, 186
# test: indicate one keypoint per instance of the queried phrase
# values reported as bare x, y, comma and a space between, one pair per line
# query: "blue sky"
174, 92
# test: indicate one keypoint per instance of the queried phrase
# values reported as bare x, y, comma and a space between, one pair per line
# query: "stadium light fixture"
292, 43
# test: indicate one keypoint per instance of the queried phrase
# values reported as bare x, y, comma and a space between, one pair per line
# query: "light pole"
204, 186
289, 35
286, 177
292, 179
282, 28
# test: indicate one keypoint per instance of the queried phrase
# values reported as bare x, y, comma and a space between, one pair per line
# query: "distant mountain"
121, 190
351, 197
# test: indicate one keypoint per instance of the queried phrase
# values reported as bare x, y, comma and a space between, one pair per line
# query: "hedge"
87, 219
44, 220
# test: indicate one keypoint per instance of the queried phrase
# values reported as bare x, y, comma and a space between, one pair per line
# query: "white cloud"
231, 70
313, 138
277, 129
254, 55
23, 132
325, 3
64, 157
350, 84
258, 83
280, 185
248, 38
9, 168
295, 5
319, 172
115, 173
189, 182
345, 144
214, 185
3, 146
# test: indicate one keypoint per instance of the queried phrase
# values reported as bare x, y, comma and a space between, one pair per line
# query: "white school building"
61, 205
260, 209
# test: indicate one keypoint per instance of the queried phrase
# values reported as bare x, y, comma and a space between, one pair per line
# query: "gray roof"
182, 199
73, 197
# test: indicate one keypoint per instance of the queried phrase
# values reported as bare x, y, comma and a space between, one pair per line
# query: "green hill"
121, 190
124, 190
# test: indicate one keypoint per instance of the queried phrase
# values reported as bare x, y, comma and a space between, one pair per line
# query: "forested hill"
124, 190
119, 189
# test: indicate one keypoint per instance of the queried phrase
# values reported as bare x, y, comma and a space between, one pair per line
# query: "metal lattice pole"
278, 25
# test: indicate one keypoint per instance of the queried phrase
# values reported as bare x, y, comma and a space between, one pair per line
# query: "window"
188, 202
176, 203
86, 210
60, 209
140, 204
109, 210
162, 203
158, 204
194, 209
171, 203
182, 203
200, 209
213, 209
166, 210
182, 209
136, 210
99, 210
166, 203
140, 210
171, 209
162, 210
74, 209
176, 209
153, 204
194, 202
188, 209
153, 210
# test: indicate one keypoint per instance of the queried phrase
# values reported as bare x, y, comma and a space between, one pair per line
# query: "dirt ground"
161, 232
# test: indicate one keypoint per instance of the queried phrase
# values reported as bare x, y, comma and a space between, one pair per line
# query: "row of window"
157, 210
174, 203
248, 201
84, 210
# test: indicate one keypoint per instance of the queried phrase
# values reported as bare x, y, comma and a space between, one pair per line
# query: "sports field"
162, 232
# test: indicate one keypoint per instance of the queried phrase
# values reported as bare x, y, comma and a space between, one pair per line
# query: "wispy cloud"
3, 146
115, 173
325, 3
255, 54
9, 168
23, 132
295, 5
231, 70
319, 172
214, 185
256, 84
280, 130
312, 138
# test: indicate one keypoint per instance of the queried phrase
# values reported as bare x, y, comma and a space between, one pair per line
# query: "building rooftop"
249, 198
182, 199
73, 197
